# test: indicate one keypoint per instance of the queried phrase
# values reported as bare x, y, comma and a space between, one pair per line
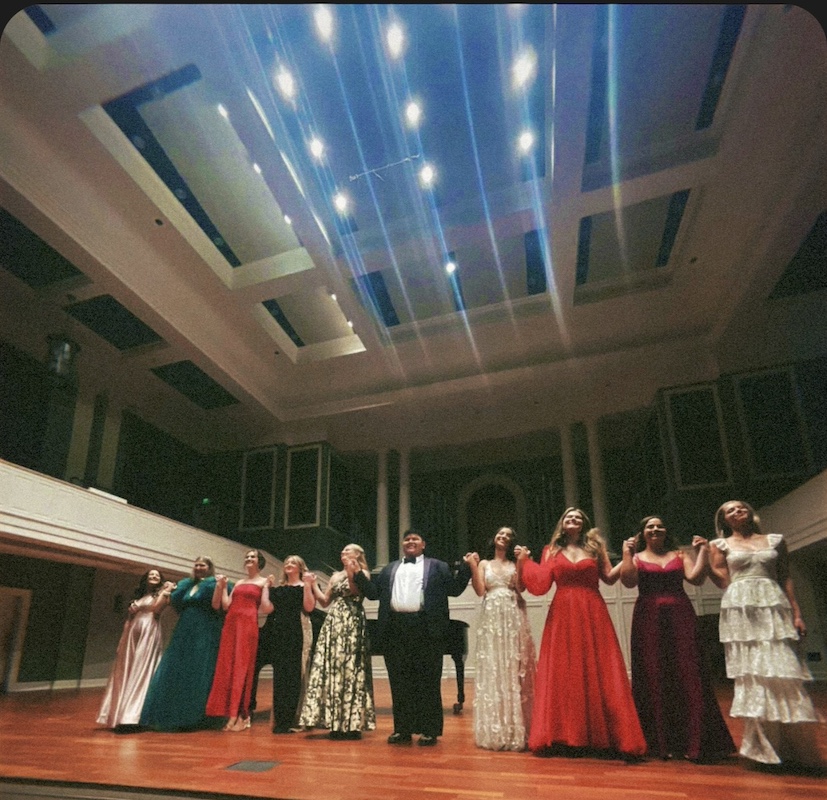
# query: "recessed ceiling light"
257, 168
285, 83
525, 141
350, 323
524, 69
451, 267
333, 295
341, 202
395, 39
223, 111
288, 220
324, 22
427, 176
316, 147
413, 113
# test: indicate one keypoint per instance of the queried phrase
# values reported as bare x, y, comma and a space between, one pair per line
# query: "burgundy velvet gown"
674, 698
582, 696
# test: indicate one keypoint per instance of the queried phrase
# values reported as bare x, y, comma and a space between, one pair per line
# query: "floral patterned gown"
340, 687
505, 659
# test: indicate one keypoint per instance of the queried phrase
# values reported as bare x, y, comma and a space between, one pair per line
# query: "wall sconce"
61, 357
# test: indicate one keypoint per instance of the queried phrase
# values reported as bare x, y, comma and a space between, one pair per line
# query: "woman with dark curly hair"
138, 654
504, 683
674, 698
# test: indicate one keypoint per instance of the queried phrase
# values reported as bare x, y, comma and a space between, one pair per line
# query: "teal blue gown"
177, 695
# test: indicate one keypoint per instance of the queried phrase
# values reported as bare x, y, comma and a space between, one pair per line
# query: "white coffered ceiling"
678, 165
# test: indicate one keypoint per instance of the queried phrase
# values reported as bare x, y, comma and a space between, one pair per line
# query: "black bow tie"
410, 559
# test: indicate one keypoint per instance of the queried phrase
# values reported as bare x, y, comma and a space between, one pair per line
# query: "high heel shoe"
231, 723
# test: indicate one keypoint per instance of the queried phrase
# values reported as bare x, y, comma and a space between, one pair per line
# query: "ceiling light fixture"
324, 22
525, 142
257, 168
413, 113
395, 39
285, 83
288, 220
524, 69
223, 111
451, 267
341, 202
333, 295
350, 323
316, 147
427, 176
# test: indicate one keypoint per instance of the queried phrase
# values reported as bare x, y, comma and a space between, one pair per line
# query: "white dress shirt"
407, 594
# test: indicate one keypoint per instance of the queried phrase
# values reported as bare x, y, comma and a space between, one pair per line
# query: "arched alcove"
486, 504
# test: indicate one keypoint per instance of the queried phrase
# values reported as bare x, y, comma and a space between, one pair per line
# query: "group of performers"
574, 699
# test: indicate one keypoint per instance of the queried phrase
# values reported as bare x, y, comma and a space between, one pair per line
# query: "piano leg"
459, 663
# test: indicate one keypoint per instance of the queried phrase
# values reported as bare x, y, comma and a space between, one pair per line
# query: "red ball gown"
233, 681
582, 695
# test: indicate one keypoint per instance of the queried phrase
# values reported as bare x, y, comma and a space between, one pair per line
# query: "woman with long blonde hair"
339, 693
284, 641
582, 697
760, 627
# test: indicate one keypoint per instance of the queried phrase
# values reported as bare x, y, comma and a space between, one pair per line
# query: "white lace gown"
505, 662
759, 638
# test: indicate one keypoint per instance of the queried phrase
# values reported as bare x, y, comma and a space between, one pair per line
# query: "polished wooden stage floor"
51, 747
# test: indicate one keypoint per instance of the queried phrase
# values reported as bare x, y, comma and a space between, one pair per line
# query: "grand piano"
456, 646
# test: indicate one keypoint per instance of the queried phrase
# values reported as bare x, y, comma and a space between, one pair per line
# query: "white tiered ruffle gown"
760, 644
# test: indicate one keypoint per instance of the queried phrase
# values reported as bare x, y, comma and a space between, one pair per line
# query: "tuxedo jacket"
438, 584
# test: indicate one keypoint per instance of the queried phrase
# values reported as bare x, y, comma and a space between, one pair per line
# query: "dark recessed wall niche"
258, 487
156, 472
772, 424
696, 434
303, 487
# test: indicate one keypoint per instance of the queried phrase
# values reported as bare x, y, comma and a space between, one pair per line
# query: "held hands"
699, 542
630, 545
521, 553
221, 580
351, 567
309, 578
271, 581
472, 559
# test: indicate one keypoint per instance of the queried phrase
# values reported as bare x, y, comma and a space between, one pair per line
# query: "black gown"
284, 642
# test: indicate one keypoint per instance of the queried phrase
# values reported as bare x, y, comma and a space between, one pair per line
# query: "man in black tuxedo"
411, 630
